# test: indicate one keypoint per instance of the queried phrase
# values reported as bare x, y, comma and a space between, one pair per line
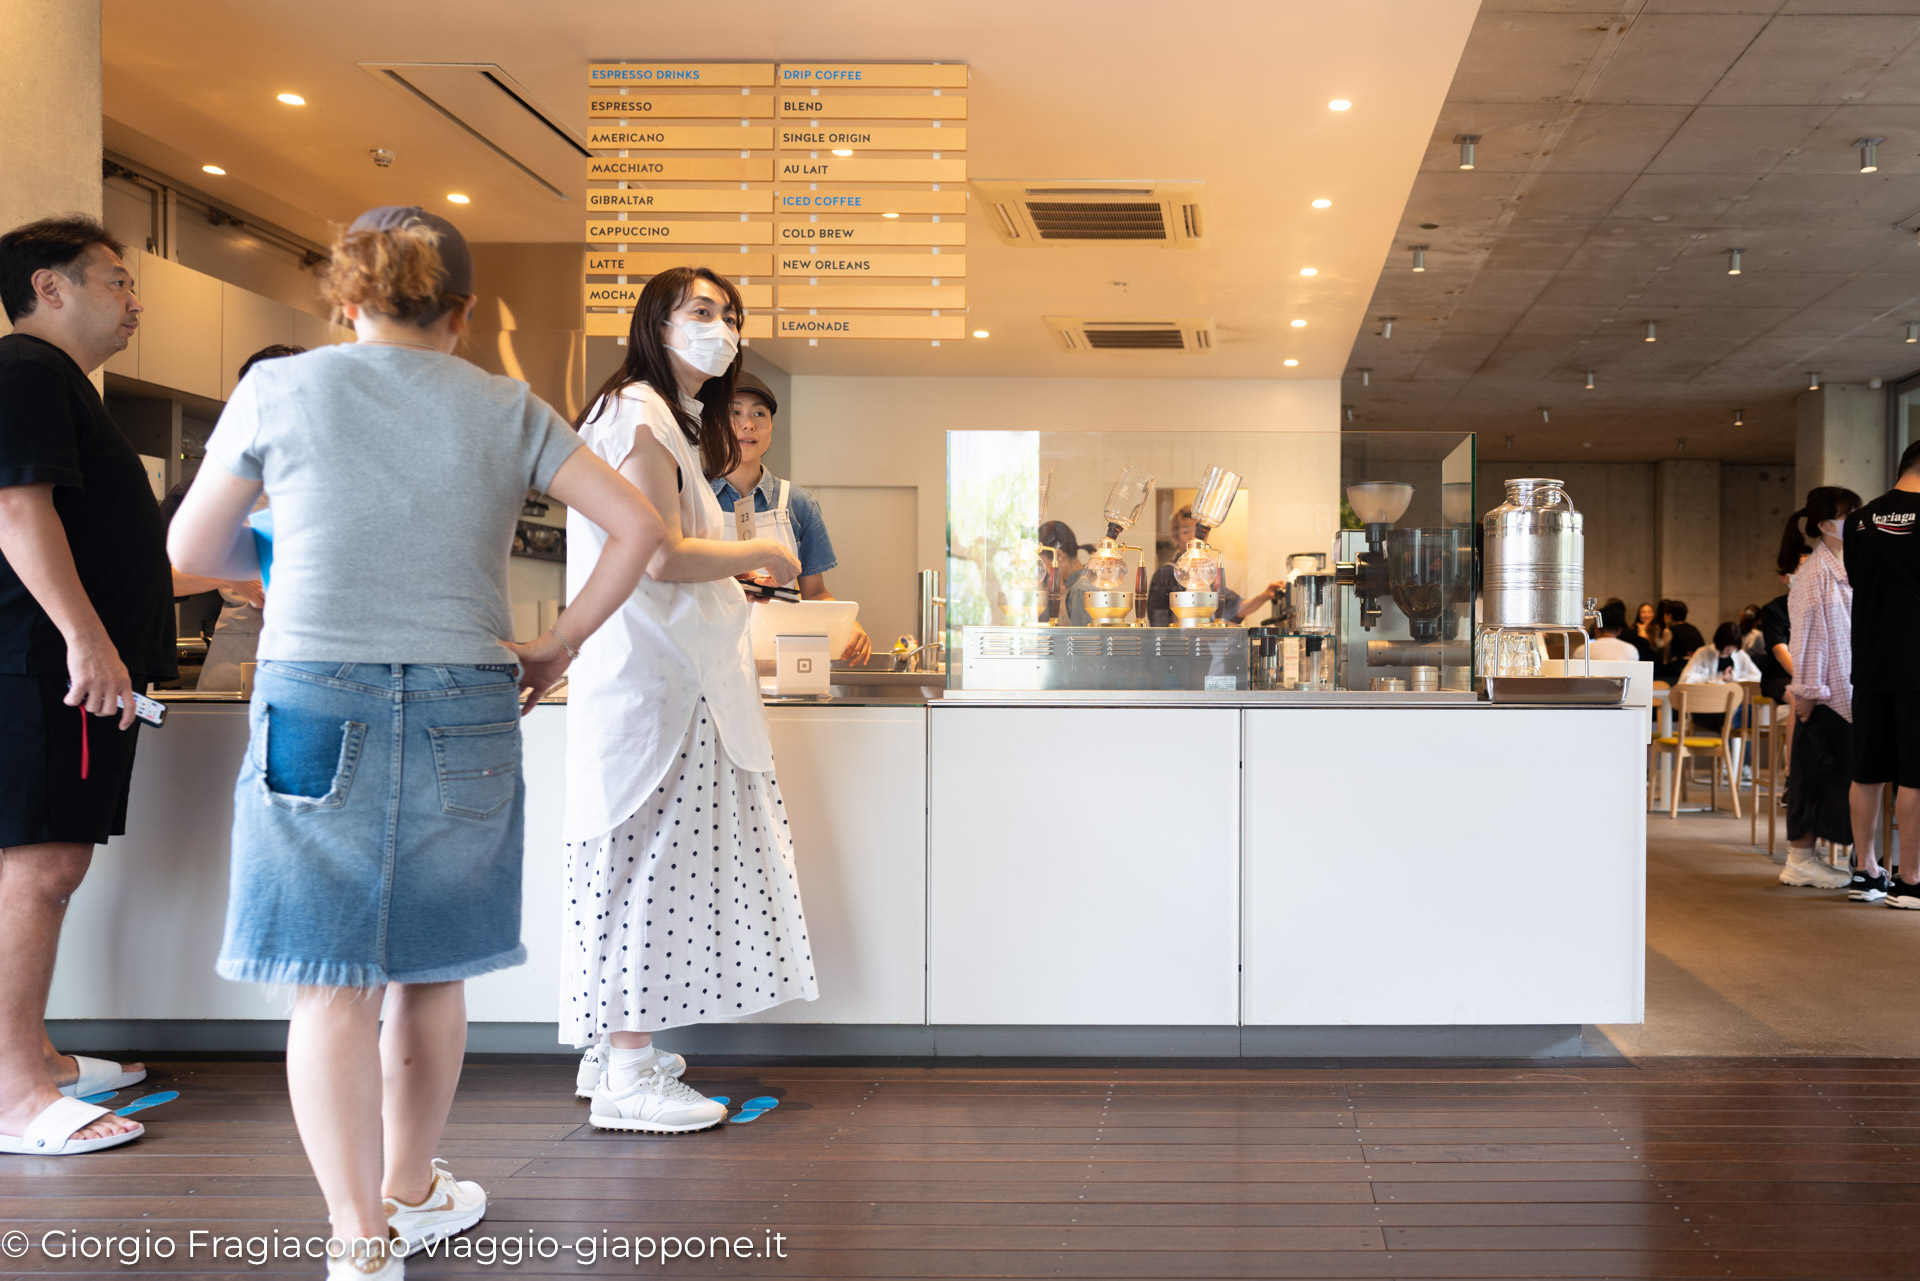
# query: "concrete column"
1840, 438
1686, 503
50, 99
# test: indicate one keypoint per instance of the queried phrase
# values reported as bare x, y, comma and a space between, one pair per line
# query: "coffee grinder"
1198, 569
1378, 503
1109, 596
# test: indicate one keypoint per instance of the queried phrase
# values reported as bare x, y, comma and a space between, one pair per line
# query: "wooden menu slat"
679, 200
681, 106
752, 297
600, 262
791, 325
874, 75
853, 265
848, 231
870, 200
949, 297
682, 75
681, 169
862, 169
646, 136
871, 137
863, 106
617, 324
655, 231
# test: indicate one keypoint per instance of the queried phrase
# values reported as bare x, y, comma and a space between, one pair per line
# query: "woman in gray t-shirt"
378, 815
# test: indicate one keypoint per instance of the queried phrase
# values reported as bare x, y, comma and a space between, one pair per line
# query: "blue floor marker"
146, 1101
753, 1109
721, 1099
98, 1099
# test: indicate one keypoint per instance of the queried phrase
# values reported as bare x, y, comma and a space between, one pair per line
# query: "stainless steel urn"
1533, 565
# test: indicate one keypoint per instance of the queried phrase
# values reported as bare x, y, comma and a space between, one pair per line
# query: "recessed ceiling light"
1323, 203
843, 151
980, 333
215, 170
1309, 271
1299, 324
1338, 104
458, 199
292, 99
889, 215
1289, 363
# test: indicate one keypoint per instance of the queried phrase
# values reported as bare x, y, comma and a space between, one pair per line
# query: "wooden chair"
1766, 720
1688, 702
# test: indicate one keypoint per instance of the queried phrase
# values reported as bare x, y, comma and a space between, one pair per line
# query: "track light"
1653, 333
1419, 257
1467, 143
1386, 326
1813, 382
1739, 418
1913, 331
1733, 261
1869, 154
1545, 415
1366, 377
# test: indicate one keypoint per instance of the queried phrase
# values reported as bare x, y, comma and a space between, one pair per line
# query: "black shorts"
42, 796
1886, 738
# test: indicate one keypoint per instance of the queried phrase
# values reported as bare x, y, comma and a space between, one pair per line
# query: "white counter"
1278, 866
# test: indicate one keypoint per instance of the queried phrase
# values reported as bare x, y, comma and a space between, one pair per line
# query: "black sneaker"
1903, 894
1869, 889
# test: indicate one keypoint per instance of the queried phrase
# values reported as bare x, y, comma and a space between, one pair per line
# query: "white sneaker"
451, 1207
346, 1268
1805, 869
593, 1065
659, 1104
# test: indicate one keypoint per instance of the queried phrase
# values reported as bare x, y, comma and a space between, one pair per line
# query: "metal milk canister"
1533, 565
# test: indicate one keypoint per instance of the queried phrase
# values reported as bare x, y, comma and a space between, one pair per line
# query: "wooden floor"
1679, 1168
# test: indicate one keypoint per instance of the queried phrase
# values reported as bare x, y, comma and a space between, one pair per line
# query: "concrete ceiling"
1233, 95
1624, 149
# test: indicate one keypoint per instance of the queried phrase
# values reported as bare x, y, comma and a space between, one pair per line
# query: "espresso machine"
1198, 569
1115, 590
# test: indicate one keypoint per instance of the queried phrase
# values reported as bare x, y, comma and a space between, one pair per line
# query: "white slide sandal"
97, 1076
51, 1133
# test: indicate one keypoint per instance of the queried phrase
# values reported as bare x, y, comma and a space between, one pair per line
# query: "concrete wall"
1840, 438
50, 101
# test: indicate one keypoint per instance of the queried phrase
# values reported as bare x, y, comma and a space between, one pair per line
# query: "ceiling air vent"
1063, 214
1082, 335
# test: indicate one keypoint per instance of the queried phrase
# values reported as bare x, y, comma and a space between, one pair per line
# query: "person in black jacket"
1882, 541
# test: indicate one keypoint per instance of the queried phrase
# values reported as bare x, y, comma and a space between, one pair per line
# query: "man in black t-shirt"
1776, 649
85, 596
1882, 543
1683, 638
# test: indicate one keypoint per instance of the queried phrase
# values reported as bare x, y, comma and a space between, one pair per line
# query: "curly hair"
392, 272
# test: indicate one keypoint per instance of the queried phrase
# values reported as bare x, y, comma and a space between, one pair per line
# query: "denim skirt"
377, 826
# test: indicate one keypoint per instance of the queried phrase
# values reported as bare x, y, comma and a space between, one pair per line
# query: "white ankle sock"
626, 1067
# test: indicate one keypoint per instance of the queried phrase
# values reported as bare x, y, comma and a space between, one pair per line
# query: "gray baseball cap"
455, 258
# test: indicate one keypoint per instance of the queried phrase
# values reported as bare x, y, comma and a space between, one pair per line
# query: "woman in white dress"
681, 905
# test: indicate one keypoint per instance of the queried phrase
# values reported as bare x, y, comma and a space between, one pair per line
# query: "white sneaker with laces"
1805, 869
451, 1207
593, 1066
659, 1103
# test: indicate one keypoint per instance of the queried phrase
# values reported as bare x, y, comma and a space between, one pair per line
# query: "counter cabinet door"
1438, 866
1083, 865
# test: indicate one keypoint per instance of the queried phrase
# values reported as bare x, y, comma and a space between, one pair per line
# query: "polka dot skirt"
690, 910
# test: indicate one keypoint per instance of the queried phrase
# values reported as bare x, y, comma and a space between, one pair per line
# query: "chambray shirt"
803, 510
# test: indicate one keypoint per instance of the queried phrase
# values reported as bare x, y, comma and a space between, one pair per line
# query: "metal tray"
1592, 691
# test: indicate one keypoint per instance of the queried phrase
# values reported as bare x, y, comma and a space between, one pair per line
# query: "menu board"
852, 175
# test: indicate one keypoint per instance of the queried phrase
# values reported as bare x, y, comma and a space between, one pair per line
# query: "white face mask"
708, 345
1832, 528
